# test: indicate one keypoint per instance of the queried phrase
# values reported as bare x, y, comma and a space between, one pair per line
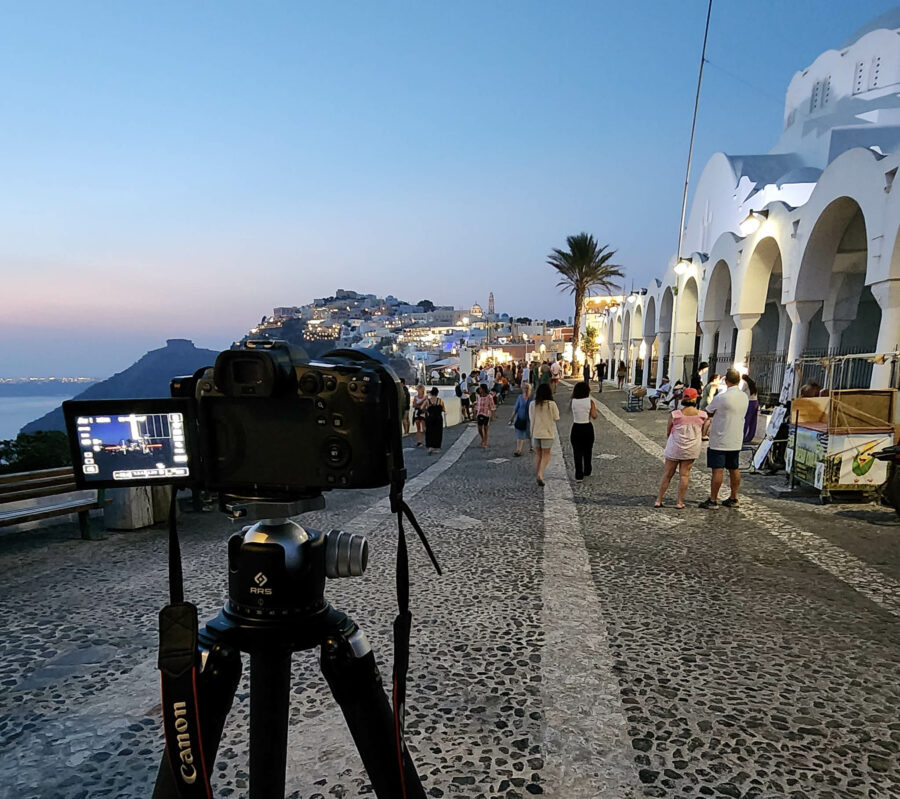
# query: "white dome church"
793, 252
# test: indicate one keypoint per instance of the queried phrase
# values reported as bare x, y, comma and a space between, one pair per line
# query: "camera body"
264, 422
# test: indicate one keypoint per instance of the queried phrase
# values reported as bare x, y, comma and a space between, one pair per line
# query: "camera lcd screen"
129, 442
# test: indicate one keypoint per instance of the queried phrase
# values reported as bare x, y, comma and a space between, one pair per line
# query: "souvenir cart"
833, 438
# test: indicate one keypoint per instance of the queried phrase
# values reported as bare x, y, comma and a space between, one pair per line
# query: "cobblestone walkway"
580, 644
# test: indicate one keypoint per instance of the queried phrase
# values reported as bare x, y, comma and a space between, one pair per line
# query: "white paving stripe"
373, 516
847, 568
587, 752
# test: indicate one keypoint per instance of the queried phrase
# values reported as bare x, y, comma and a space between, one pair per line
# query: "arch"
718, 297
665, 311
826, 242
650, 318
688, 304
764, 262
638, 327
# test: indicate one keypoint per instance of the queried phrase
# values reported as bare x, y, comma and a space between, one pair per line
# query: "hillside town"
430, 337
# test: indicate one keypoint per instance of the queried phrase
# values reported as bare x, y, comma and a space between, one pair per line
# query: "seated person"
660, 393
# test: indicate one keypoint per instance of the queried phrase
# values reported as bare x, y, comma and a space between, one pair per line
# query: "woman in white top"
543, 413
582, 435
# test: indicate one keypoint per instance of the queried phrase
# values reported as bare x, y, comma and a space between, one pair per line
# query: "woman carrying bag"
582, 436
519, 419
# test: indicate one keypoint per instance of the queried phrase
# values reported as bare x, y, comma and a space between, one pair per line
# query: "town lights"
752, 221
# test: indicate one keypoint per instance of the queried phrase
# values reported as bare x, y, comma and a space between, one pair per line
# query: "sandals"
657, 504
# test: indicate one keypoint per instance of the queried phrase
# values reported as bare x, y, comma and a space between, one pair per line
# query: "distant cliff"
149, 377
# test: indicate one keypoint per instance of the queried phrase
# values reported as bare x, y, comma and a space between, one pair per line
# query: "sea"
16, 412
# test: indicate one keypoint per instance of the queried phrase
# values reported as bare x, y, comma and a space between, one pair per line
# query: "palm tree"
584, 268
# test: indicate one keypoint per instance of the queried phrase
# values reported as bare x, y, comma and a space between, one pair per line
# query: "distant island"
148, 377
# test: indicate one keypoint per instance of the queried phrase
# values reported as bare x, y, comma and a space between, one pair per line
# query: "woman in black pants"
582, 435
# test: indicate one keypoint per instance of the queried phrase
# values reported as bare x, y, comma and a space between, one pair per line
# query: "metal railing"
852, 373
767, 369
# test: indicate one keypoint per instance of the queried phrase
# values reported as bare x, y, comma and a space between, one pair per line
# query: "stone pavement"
580, 643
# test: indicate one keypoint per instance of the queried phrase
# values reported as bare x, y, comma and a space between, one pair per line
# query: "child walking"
484, 411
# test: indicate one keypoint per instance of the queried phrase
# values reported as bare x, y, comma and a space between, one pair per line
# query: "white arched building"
821, 271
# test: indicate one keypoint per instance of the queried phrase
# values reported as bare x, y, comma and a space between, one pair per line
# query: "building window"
875, 73
858, 77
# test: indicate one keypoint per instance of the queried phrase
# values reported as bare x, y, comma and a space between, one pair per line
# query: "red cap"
689, 394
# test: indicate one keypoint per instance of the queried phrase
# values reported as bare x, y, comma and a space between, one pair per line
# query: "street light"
525, 339
682, 266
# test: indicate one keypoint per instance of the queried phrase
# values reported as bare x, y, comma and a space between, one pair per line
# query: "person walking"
405, 400
526, 374
520, 420
620, 375
434, 422
462, 391
555, 374
601, 375
543, 414
582, 433
683, 442
418, 405
725, 429
586, 371
484, 412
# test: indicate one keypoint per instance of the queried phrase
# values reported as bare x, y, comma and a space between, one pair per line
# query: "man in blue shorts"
725, 429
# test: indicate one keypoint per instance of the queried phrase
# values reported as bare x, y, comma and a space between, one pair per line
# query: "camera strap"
179, 663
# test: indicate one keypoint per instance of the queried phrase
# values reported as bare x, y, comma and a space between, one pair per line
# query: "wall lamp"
682, 266
753, 220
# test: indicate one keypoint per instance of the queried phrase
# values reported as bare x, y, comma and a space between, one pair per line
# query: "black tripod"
277, 573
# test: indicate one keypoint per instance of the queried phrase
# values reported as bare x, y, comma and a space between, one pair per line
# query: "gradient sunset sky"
177, 169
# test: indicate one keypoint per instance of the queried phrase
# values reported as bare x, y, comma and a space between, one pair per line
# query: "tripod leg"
349, 667
216, 685
270, 678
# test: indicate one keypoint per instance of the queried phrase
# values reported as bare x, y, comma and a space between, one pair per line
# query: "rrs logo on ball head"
260, 581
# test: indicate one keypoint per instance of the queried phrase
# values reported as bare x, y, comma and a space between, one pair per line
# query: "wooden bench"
47, 485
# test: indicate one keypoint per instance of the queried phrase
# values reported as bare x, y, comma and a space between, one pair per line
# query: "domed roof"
889, 20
